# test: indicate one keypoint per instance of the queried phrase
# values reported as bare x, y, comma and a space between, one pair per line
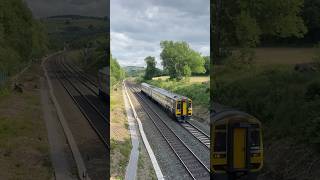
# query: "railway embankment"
120, 136
24, 150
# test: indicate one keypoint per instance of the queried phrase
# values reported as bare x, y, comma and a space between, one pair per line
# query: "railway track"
89, 85
195, 131
81, 74
97, 120
194, 166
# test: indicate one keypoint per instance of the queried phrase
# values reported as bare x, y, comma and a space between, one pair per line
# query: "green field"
266, 56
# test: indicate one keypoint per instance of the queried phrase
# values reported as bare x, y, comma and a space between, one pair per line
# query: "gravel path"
61, 156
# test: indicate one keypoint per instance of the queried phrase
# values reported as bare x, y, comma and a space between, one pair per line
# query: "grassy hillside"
85, 38
74, 31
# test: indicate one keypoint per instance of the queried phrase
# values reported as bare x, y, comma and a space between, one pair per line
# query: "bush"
279, 97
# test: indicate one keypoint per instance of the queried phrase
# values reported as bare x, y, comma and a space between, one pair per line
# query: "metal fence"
3, 78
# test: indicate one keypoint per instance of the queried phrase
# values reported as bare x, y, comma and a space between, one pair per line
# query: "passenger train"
236, 145
180, 107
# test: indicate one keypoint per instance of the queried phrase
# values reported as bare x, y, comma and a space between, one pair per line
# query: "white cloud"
137, 27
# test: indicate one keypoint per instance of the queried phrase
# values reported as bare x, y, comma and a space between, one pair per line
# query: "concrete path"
57, 140
131, 171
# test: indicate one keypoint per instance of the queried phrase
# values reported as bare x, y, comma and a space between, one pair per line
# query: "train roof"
165, 92
221, 112
104, 70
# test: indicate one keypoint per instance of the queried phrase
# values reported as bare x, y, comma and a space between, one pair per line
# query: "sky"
45, 8
138, 26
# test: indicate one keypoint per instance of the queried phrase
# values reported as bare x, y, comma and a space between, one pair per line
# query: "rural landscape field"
273, 74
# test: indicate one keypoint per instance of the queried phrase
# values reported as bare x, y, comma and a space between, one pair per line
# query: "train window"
220, 142
178, 105
190, 104
220, 126
255, 139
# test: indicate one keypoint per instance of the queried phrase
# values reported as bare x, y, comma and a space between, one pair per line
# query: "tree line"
22, 37
247, 24
117, 74
179, 60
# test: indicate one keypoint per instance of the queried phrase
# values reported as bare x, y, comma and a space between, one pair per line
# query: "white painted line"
82, 171
131, 170
154, 161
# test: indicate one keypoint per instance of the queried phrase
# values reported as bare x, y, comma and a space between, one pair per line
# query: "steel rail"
101, 137
88, 101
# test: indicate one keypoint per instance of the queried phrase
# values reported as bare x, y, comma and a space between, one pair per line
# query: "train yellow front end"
183, 110
236, 145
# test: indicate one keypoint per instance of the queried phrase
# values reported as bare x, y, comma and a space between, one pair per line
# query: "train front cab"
183, 110
237, 149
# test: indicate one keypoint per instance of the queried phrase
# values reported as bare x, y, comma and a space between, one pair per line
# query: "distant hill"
134, 70
71, 16
74, 30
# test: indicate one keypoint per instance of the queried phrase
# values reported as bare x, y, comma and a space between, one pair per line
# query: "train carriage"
236, 145
103, 83
180, 107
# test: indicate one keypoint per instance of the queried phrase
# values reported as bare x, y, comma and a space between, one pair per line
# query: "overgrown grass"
198, 92
286, 101
24, 147
121, 150
4, 92
120, 137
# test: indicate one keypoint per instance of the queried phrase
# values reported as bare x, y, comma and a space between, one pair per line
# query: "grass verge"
120, 137
24, 150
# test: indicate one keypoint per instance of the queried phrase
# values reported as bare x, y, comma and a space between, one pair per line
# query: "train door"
178, 109
184, 108
189, 107
239, 148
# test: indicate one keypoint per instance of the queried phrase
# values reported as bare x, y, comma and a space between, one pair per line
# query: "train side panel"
102, 83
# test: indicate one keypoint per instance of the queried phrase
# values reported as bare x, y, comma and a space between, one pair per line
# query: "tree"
22, 37
178, 59
207, 64
116, 72
244, 22
311, 17
151, 69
